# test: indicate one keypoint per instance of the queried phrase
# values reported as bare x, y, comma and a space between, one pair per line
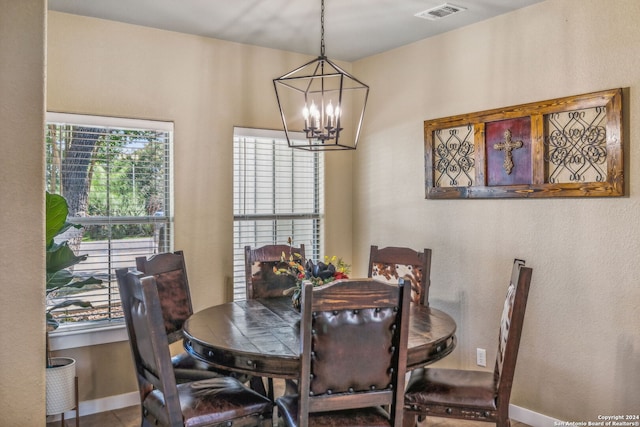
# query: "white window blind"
116, 177
277, 194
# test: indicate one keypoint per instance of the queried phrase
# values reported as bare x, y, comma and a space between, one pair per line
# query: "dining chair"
469, 394
262, 282
170, 271
353, 338
220, 401
392, 263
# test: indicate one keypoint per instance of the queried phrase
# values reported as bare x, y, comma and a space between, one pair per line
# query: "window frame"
314, 247
93, 332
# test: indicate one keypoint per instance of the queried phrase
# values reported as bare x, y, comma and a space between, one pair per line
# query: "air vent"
439, 12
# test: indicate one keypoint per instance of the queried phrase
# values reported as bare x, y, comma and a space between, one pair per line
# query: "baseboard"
529, 417
110, 403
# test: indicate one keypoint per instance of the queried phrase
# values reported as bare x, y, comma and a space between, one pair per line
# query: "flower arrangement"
333, 268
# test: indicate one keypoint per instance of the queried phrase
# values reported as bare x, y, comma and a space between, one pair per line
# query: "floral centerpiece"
319, 273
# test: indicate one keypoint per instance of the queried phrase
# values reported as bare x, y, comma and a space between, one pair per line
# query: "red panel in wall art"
508, 151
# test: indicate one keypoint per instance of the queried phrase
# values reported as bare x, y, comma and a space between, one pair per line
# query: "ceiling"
354, 29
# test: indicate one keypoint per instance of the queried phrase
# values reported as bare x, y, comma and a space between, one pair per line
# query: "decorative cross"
508, 146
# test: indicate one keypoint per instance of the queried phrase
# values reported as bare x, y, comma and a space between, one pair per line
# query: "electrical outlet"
481, 357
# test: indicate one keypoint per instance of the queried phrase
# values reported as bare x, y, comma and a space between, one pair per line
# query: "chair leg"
270, 392
503, 417
409, 420
256, 384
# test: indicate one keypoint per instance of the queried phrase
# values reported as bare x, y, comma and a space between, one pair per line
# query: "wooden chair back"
170, 272
219, 401
510, 332
262, 282
149, 344
471, 394
393, 263
353, 335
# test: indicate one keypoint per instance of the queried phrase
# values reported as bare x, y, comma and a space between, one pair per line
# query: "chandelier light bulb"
313, 110
315, 115
329, 115
305, 114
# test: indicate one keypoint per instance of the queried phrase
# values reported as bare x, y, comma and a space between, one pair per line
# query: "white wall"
22, 351
580, 351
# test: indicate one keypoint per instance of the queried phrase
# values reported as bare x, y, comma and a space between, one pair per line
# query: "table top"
262, 336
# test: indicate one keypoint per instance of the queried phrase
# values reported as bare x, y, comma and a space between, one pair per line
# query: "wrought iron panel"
454, 157
576, 146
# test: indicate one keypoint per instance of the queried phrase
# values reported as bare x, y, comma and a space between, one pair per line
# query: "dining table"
262, 337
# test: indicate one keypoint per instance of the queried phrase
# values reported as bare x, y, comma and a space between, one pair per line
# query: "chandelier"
322, 101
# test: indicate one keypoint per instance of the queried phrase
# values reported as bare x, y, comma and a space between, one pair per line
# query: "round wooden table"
262, 337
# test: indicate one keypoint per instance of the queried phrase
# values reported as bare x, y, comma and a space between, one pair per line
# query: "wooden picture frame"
565, 147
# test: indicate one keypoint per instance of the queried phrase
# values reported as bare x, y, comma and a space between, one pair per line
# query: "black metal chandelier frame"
318, 84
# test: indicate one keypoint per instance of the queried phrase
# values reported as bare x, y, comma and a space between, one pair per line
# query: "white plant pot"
61, 385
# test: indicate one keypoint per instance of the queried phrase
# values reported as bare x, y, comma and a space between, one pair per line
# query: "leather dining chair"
170, 272
262, 282
392, 263
468, 394
353, 338
220, 401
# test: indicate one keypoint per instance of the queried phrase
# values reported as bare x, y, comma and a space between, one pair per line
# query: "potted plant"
61, 372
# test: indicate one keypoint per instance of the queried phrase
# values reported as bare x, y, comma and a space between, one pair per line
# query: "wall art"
565, 147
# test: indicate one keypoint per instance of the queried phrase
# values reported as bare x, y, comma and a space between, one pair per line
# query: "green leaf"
62, 257
82, 283
58, 279
56, 212
68, 303
65, 279
52, 323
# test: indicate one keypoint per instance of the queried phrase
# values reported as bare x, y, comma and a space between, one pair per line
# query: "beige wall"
580, 351
205, 87
581, 346
22, 62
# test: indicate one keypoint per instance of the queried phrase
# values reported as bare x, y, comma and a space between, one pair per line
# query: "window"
277, 194
116, 177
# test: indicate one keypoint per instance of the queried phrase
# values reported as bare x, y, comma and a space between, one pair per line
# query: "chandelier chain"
322, 29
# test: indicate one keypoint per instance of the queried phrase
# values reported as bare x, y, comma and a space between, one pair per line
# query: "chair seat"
363, 417
187, 368
211, 401
451, 387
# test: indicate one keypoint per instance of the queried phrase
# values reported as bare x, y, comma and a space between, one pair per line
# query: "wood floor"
130, 417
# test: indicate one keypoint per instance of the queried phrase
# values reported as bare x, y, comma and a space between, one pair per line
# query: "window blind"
277, 194
115, 174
